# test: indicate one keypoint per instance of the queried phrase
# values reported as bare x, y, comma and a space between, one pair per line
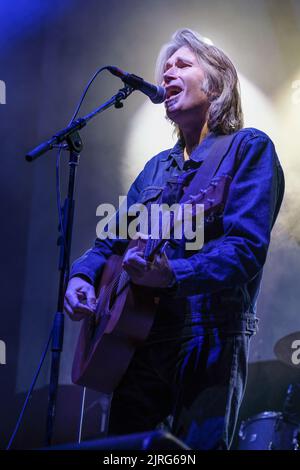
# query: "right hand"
80, 299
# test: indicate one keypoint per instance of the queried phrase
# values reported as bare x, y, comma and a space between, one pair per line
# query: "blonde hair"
221, 84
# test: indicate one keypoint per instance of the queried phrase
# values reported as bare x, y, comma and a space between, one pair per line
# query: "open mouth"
172, 92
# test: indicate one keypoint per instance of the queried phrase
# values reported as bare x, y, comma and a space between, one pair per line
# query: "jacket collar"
198, 155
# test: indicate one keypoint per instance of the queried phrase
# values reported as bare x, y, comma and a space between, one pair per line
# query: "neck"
193, 137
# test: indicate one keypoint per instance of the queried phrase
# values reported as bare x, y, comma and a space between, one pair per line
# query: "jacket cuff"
183, 274
85, 274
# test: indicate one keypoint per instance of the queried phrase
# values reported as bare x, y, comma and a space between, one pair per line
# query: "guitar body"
107, 341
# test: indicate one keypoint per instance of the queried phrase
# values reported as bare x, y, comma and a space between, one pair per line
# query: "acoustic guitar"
124, 311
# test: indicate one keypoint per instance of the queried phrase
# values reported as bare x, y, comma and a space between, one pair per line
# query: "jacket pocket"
150, 194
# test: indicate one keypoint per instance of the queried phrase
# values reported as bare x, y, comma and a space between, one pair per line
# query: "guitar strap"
201, 180
213, 158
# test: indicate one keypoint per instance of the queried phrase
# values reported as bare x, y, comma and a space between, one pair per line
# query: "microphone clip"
122, 94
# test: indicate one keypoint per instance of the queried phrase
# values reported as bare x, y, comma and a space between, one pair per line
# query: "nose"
169, 75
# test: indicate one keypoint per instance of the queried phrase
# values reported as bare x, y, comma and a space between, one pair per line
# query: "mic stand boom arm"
65, 133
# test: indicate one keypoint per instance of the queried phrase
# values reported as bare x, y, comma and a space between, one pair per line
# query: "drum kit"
277, 430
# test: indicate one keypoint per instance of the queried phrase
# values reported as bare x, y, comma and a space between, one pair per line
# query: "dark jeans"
195, 384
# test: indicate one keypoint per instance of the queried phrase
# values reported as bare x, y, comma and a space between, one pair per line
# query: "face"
183, 76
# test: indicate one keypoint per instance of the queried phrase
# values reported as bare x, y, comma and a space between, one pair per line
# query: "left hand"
155, 274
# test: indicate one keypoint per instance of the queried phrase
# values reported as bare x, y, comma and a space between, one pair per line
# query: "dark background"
49, 50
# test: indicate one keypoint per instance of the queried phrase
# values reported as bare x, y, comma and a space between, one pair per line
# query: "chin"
173, 115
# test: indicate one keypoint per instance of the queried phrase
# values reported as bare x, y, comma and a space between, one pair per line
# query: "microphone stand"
71, 136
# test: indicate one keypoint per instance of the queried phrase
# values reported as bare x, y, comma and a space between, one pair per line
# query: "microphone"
157, 94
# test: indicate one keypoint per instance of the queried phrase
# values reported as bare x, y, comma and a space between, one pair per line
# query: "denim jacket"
218, 285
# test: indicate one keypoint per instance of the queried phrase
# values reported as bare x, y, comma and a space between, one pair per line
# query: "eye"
183, 65
180, 64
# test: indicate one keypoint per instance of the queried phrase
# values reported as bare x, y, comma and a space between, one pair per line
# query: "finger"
137, 265
68, 307
132, 271
139, 256
136, 275
81, 296
78, 308
73, 297
136, 257
83, 300
91, 298
73, 316
131, 252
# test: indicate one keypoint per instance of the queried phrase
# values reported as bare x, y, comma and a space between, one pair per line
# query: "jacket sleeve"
91, 263
251, 209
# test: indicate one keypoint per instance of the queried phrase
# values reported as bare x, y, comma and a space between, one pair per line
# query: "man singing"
191, 371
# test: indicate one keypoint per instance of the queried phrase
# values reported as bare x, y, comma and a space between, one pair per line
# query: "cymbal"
287, 349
